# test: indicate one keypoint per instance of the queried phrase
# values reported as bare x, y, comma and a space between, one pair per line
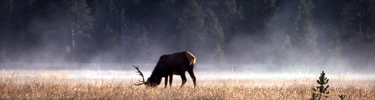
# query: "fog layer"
280, 34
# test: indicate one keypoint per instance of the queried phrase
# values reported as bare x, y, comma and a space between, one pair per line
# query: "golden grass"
115, 89
12, 87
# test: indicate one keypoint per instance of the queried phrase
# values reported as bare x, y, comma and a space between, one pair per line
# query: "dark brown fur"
172, 64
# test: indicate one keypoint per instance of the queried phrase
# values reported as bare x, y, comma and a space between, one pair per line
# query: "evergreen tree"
129, 28
342, 97
305, 35
288, 49
109, 35
359, 21
81, 28
215, 37
108, 32
6, 10
335, 48
321, 90
358, 27
190, 26
82, 20
254, 14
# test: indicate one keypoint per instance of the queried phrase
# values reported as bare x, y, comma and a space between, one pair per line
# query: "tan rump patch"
190, 57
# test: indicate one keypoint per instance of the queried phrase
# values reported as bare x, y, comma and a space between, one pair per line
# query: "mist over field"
225, 35
244, 49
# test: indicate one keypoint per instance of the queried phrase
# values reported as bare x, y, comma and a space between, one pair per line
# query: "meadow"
57, 85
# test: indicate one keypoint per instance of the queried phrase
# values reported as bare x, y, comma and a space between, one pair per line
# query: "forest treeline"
216, 31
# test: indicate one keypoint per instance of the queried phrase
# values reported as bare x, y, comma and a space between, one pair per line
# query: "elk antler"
140, 73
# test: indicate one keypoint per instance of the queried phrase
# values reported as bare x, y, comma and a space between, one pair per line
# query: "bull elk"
169, 65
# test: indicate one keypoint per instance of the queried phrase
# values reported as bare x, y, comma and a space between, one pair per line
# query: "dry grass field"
56, 86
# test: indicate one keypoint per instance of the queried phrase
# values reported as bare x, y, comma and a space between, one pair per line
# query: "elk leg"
166, 81
191, 73
170, 80
183, 77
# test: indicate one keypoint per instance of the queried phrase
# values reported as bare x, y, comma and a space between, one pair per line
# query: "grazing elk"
169, 64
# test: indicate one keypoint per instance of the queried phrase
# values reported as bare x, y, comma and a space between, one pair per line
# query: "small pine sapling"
321, 90
342, 97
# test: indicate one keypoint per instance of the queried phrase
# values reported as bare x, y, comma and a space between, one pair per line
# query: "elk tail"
191, 58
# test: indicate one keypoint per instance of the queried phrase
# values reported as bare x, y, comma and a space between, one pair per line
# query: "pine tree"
335, 48
215, 38
81, 28
255, 13
358, 25
109, 36
359, 21
7, 10
288, 49
82, 20
321, 90
305, 35
190, 26
342, 97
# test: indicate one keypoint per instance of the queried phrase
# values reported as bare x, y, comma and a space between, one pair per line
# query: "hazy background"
256, 35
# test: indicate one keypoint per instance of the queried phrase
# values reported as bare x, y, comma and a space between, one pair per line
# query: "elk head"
151, 82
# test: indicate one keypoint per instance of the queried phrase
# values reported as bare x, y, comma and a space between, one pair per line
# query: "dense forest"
282, 32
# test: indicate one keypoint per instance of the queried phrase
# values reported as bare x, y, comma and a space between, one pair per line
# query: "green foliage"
321, 90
